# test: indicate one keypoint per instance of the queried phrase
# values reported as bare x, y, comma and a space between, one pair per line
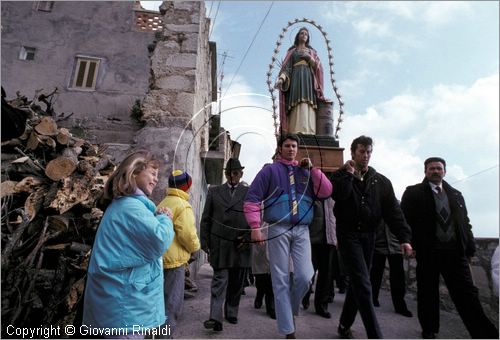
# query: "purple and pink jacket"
271, 191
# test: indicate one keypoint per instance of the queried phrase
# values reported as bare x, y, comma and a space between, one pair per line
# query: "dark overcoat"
420, 212
224, 227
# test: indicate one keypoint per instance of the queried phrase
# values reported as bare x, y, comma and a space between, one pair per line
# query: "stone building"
113, 58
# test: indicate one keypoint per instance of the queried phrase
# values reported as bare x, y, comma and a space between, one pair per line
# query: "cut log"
84, 167
58, 223
75, 294
34, 202
62, 166
76, 247
74, 190
47, 140
64, 136
20, 160
47, 127
28, 184
76, 142
8, 188
33, 141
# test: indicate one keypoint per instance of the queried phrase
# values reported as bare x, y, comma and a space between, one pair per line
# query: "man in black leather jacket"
363, 197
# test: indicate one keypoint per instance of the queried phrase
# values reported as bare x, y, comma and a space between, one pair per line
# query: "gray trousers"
287, 242
226, 289
173, 291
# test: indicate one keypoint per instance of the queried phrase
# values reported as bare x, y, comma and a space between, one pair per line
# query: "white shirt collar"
433, 187
232, 186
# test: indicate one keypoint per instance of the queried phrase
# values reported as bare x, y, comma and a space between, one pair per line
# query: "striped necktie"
293, 195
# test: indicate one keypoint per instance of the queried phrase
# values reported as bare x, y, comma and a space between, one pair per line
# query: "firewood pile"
51, 181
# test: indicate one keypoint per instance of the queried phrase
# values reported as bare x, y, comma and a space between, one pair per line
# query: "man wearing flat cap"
224, 235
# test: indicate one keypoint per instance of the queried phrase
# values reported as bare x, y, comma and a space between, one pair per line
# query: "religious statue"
300, 82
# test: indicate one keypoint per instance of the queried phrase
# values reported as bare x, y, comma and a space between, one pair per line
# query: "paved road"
255, 324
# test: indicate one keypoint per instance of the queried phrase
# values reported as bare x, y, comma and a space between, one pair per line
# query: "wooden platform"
327, 158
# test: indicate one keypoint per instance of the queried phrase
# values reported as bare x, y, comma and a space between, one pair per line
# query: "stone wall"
177, 107
104, 30
481, 272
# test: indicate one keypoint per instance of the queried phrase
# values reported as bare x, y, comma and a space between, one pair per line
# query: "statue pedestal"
324, 151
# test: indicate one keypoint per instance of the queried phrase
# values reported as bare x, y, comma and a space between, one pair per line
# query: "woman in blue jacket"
124, 291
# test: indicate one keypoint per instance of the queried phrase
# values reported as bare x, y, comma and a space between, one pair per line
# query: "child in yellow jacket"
185, 242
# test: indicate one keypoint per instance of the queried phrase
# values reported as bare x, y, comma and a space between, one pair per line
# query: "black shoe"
405, 312
345, 333
341, 290
324, 313
290, 336
213, 324
243, 292
428, 335
305, 301
257, 304
218, 327
272, 314
232, 319
376, 303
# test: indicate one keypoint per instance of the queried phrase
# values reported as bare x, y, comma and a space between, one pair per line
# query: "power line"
210, 10
249, 46
213, 22
475, 174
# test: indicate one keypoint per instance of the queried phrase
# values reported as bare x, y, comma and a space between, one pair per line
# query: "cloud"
411, 127
380, 18
438, 13
246, 115
384, 55
354, 85
372, 27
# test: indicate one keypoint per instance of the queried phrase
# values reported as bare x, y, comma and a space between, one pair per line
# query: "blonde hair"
122, 180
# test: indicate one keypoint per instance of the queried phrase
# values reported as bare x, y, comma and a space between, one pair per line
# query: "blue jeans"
289, 242
356, 249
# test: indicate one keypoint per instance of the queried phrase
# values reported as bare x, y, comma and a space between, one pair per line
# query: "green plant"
136, 112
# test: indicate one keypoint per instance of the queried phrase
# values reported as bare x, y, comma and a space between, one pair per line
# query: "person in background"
323, 240
387, 247
185, 242
225, 237
494, 270
125, 277
362, 198
288, 192
444, 245
262, 274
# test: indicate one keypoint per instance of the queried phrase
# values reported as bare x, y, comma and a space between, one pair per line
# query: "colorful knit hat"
180, 180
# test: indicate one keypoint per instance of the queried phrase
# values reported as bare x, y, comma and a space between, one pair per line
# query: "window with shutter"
27, 53
85, 74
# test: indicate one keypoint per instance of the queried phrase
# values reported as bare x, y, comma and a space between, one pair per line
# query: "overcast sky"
420, 78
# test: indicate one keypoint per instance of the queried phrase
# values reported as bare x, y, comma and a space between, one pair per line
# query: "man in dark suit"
444, 243
224, 236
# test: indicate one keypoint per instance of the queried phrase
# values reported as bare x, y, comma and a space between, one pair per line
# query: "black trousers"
458, 279
321, 255
338, 273
264, 287
356, 249
396, 278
